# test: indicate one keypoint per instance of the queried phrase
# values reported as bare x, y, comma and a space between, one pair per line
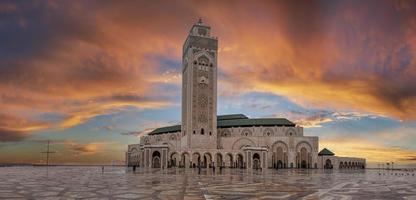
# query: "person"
102, 170
134, 168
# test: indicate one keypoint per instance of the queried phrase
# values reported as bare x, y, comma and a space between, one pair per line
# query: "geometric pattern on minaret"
199, 88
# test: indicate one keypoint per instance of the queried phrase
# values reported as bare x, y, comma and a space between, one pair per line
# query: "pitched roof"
325, 152
235, 120
166, 129
254, 122
229, 117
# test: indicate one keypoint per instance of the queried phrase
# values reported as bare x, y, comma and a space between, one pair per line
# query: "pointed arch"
242, 142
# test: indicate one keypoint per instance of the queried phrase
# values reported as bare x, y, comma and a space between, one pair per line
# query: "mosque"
235, 141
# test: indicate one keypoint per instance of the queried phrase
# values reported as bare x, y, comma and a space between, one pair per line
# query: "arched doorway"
196, 160
185, 160
174, 159
303, 164
240, 162
207, 160
303, 158
279, 164
156, 159
219, 160
256, 161
280, 159
328, 164
229, 161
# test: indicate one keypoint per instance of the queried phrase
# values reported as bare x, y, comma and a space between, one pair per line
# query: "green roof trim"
166, 129
235, 120
325, 152
254, 122
230, 117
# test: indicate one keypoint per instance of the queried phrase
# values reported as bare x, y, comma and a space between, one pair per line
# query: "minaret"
199, 88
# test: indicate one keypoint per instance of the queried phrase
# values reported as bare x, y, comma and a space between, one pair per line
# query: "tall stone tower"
199, 88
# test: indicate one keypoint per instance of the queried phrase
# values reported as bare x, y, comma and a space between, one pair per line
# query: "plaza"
64, 182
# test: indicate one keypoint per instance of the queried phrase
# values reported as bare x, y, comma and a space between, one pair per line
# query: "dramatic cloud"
409, 158
374, 152
14, 128
78, 60
139, 133
335, 54
83, 66
85, 149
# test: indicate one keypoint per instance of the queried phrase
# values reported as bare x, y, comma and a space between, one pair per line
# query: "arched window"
202, 131
194, 131
210, 133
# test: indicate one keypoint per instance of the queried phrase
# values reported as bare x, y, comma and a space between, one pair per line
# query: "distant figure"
134, 168
102, 170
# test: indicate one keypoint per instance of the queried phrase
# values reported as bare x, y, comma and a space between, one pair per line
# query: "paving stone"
117, 183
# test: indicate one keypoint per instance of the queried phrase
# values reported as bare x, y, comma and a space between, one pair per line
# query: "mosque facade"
205, 139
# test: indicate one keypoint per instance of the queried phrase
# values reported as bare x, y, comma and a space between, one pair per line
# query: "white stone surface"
174, 183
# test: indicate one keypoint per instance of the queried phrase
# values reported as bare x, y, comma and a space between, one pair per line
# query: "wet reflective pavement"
117, 183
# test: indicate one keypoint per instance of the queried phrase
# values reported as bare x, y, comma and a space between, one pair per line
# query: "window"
210, 133
194, 131
202, 131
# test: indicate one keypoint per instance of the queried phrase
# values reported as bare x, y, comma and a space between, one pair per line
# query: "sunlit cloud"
373, 152
83, 60
14, 128
86, 149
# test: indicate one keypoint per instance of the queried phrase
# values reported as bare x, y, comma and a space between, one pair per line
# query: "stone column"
163, 160
146, 159
249, 160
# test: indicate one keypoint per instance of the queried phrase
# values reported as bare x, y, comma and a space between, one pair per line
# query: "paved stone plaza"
116, 183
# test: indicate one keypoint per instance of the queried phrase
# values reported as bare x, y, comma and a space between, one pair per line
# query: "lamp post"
47, 152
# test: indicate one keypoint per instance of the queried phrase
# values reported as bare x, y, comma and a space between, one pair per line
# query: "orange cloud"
13, 128
372, 151
316, 61
86, 149
85, 59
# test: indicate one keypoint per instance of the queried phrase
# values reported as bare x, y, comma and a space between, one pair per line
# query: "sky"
94, 76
